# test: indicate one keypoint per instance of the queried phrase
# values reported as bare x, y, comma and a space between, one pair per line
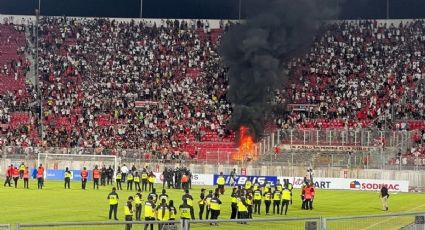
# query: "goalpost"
77, 162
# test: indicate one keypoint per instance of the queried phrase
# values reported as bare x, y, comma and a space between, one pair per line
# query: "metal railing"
176, 225
396, 221
5, 226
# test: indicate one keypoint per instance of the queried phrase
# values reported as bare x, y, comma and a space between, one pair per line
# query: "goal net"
76, 162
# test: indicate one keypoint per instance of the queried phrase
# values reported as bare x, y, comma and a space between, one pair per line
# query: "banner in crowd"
240, 180
332, 148
59, 174
142, 104
351, 184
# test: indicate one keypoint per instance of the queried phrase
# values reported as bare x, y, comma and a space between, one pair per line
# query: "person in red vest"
184, 182
9, 173
96, 177
313, 193
307, 197
15, 176
40, 176
84, 175
26, 177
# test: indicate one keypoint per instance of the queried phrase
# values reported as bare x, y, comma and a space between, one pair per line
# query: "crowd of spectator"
138, 85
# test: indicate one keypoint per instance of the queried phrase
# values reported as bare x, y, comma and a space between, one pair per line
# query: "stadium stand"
162, 88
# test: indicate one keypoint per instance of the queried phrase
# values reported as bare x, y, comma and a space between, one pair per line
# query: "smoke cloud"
255, 52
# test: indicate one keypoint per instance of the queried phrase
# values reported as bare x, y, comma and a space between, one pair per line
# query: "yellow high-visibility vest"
276, 196
127, 211
151, 179
137, 200
215, 205
185, 213
248, 185
267, 196
22, 168
172, 213
130, 177
136, 179
118, 176
144, 176
67, 174
113, 199
286, 194
249, 201
149, 209
242, 207
257, 195
160, 211
220, 180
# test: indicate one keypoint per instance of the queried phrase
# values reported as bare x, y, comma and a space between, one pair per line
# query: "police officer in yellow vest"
118, 180
149, 212
267, 200
286, 198
21, 170
220, 182
138, 203
67, 178
215, 208
113, 203
279, 186
151, 180
257, 200
173, 210
137, 181
144, 180
208, 204
128, 212
248, 185
130, 179
162, 213
242, 209
249, 201
189, 200
234, 203
186, 212
277, 197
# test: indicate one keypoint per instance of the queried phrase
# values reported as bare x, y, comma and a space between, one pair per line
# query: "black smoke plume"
257, 50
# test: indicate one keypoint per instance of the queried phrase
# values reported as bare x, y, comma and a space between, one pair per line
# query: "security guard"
255, 186
149, 212
189, 200
277, 197
186, 212
215, 208
21, 170
113, 203
208, 204
220, 182
138, 203
26, 177
67, 178
201, 203
154, 196
234, 203
84, 175
257, 200
118, 177
128, 212
164, 195
248, 185
130, 179
279, 186
249, 202
242, 209
137, 181
173, 211
151, 180
267, 200
144, 180
96, 177
286, 198
162, 213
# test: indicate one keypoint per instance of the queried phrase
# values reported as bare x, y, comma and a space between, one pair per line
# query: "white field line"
383, 221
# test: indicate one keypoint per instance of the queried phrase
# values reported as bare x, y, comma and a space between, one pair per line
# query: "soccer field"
54, 204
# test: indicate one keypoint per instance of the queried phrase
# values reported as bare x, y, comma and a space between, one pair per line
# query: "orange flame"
246, 146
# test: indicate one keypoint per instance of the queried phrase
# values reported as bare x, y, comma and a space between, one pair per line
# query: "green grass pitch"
54, 204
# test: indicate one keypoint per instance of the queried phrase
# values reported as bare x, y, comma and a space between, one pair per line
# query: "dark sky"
350, 9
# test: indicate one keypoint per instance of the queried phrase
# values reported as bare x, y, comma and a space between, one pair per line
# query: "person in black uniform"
103, 175
110, 175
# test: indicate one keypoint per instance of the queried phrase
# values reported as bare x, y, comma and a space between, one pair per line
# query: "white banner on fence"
332, 148
197, 179
352, 184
